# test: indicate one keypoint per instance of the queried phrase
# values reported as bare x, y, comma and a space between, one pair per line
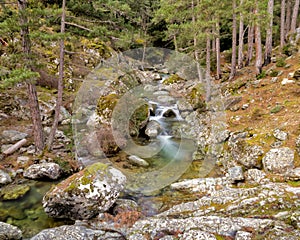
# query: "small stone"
280, 135
274, 79
296, 74
9, 232
286, 81
125, 205
235, 174
245, 106
138, 161
279, 160
22, 160
273, 59
4, 178
242, 235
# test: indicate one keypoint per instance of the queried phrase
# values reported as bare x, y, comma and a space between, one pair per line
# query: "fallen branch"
78, 26
15, 147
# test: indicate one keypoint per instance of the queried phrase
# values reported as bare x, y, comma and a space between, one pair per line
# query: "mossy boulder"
13, 192
196, 98
86, 193
174, 78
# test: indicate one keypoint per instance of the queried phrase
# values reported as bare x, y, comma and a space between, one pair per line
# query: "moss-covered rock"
13, 192
86, 193
174, 78
196, 98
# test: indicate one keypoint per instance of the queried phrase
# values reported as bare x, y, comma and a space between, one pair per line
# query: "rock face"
86, 193
9, 232
279, 160
75, 233
43, 170
4, 178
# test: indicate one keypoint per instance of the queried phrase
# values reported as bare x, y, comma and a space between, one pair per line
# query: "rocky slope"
252, 193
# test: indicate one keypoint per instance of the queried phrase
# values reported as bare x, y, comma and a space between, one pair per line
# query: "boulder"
244, 153
4, 178
255, 176
11, 136
9, 232
235, 174
293, 174
13, 192
76, 233
86, 193
138, 161
153, 129
280, 135
43, 170
279, 160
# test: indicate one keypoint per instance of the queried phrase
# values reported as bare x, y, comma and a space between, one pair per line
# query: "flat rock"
236, 174
9, 232
86, 193
43, 170
279, 160
73, 232
11, 136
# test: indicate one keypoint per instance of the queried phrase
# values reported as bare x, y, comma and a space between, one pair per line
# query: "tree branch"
78, 26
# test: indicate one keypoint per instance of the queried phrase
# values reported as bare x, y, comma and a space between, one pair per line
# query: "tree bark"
288, 17
241, 39
234, 38
60, 80
208, 49
38, 134
282, 24
250, 44
294, 16
268, 51
258, 49
218, 50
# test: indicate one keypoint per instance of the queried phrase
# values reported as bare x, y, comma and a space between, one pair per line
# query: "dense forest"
51, 42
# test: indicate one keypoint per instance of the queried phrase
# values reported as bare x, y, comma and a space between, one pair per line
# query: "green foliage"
261, 75
17, 76
281, 62
276, 109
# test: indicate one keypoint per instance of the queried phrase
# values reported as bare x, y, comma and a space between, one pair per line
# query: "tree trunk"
60, 80
250, 44
38, 134
234, 33
241, 39
208, 49
268, 51
195, 44
288, 17
218, 50
294, 16
282, 24
258, 49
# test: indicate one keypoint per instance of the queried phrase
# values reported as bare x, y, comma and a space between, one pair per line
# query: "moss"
94, 168
294, 183
105, 106
281, 62
174, 78
276, 109
12, 192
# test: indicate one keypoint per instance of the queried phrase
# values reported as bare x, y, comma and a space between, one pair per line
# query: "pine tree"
295, 16
234, 38
269, 37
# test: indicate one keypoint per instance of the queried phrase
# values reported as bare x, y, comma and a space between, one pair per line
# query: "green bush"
281, 62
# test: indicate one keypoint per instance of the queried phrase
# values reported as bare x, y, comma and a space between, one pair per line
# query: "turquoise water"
27, 213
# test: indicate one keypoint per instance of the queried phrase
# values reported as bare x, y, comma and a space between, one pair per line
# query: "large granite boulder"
86, 193
43, 170
244, 153
279, 160
9, 232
